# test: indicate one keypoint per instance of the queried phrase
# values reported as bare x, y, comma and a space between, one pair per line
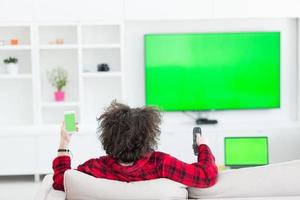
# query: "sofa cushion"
282, 179
46, 192
81, 186
260, 198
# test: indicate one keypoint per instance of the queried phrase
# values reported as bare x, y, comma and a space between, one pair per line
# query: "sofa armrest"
46, 191
280, 179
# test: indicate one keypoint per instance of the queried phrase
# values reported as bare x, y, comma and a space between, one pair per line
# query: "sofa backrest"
82, 186
282, 179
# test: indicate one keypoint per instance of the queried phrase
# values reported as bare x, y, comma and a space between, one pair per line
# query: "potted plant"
12, 66
58, 78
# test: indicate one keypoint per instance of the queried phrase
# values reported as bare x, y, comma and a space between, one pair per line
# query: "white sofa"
279, 181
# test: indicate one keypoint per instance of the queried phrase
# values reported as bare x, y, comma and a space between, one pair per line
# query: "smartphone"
70, 121
196, 130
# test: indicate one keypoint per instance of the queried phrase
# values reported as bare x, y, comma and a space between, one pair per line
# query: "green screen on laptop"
246, 151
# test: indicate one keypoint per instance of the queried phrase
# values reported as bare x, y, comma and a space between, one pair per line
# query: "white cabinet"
17, 155
81, 48
84, 146
16, 102
46, 151
27, 98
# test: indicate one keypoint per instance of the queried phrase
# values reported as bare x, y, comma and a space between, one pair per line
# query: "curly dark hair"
127, 133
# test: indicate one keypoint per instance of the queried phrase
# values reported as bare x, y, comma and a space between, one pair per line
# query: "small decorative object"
59, 41
14, 41
12, 66
103, 67
58, 78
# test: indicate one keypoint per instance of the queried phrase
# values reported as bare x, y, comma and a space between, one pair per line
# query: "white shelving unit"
27, 99
99, 44
16, 102
81, 48
18, 76
101, 75
18, 47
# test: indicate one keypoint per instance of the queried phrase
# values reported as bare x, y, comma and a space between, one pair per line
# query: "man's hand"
65, 137
200, 140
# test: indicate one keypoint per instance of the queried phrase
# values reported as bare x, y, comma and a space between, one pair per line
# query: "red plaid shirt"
154, 165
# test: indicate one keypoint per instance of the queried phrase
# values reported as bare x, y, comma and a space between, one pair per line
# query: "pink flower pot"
59, 96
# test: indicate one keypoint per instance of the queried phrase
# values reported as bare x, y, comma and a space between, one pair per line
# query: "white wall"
134, 62
167, 9
55, 10
256, 8
189, 16
177, 127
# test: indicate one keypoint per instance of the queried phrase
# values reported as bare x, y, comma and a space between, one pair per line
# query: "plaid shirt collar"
115, 165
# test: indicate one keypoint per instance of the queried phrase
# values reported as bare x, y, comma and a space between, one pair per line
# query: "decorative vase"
12, 68
59, 95
14, 41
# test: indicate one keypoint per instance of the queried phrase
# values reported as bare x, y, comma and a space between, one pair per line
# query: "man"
129, 137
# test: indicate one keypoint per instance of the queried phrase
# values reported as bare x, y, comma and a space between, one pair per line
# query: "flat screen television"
212, 71
246, 151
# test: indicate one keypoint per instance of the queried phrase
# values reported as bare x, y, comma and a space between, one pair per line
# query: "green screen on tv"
246, 151
212, 71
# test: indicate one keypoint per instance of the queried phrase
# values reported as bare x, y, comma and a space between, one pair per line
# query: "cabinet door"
17, 155
46, 151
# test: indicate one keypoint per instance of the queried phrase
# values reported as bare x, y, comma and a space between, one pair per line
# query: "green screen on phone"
70, 122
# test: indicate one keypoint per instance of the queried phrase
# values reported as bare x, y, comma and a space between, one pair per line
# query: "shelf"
101, 74
63, 58
101, 34
21, 33
101, 46
60, 104
51, 33
58, 46
17, 76
29, 115
15, 47
92, 57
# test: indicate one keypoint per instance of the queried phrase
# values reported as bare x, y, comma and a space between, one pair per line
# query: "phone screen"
70, 122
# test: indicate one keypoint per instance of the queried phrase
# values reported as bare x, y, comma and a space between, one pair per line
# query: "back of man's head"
127, 133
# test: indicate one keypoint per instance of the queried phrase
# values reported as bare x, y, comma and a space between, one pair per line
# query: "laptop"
246, 151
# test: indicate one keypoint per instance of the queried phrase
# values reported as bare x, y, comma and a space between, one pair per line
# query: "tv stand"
206, 121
